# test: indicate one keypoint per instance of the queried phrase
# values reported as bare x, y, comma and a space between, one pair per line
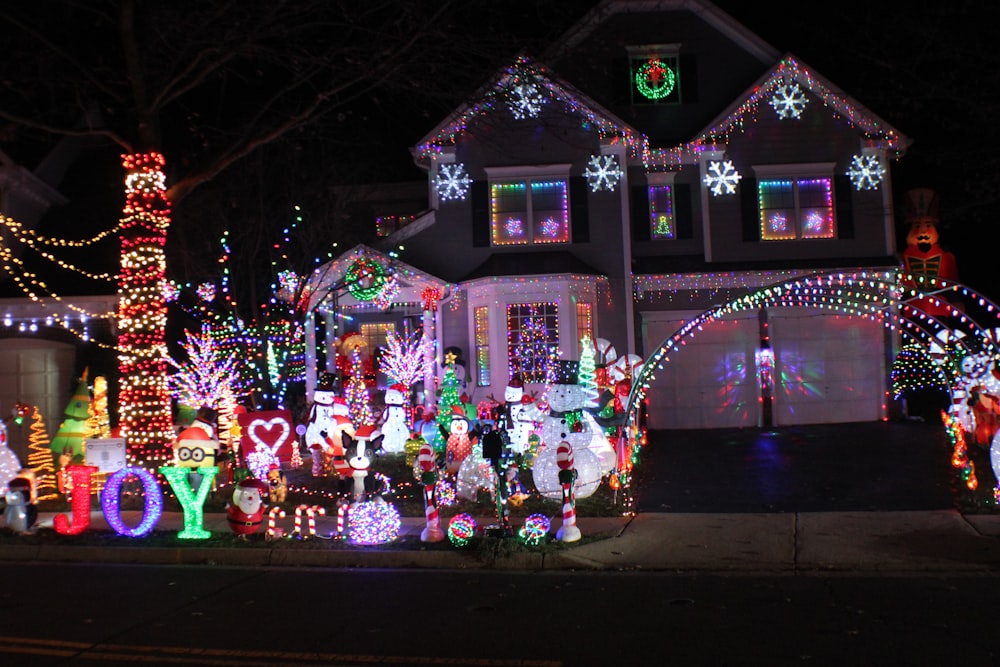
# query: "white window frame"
796, 173
529, 175
660, 180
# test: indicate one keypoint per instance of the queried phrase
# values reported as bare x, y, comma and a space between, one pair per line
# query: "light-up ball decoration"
373, 522
461, 529
536, 527
545, 473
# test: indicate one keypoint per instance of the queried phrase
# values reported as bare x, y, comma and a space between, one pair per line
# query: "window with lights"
796, 206
661, 213
533, 340
654, 74
529, 212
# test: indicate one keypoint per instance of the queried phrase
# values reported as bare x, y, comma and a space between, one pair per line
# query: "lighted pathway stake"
432, 531
569, 531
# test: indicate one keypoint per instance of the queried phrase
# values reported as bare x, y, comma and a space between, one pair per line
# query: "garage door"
36, 372
829, 368
711, 382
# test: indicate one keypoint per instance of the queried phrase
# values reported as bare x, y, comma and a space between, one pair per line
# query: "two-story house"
657, 160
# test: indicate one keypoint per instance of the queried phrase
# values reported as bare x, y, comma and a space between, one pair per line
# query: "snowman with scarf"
394, 425
568, 421
519, 424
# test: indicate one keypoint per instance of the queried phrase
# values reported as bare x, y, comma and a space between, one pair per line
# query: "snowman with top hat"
567, 420
394, 424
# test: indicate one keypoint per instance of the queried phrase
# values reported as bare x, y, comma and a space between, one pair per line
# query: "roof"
744, 109
531, 263
525, 72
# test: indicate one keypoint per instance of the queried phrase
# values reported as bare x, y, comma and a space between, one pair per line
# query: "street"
97, 614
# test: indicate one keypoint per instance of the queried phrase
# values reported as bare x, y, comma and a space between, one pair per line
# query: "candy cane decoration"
432, 532
273, 532
311, 516
341, 519
568, 532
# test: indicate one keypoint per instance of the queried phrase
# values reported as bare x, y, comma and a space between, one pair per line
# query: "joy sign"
267, 432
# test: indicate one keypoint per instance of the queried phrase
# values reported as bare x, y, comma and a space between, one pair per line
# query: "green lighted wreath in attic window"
655, 80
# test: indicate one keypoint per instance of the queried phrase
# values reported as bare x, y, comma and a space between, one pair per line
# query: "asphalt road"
877, 466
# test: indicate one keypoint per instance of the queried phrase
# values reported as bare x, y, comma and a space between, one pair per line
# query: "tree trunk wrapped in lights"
143, 399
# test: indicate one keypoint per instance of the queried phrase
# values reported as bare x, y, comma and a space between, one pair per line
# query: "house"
659, 159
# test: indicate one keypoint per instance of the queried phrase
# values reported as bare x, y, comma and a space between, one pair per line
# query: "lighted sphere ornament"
545, 473
536, 528
461, 529
373, 522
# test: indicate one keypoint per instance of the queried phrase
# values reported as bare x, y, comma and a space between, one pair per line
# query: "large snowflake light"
722, 177
603, 173
525, 101
452, 182
866, 172
788, 100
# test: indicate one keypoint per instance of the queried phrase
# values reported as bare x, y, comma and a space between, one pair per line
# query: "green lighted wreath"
655, 80
365, 279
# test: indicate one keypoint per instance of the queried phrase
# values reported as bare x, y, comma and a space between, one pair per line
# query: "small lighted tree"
40, 457
75, 428
588, 373
449, 397
405, 357
359, 402
206, 378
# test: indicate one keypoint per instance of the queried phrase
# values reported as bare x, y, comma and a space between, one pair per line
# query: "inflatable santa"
246, 513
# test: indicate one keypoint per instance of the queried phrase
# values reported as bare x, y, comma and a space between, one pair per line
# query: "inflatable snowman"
395, 425
568, 421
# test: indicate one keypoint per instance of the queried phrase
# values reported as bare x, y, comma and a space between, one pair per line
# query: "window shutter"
748, 206
845, 207
640, 213
683, 215
480, 196
578, 209
689, 78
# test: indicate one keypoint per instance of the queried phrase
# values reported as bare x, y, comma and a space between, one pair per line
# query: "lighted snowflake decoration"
514, 227
722, 177
603, 173
452, 182
550, 227
866, 172
525, 101
788, 100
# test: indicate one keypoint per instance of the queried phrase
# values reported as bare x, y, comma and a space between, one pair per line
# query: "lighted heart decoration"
267, 431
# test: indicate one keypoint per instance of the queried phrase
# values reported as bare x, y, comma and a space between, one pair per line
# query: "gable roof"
491, 97
748, 40
329, 279
744, 110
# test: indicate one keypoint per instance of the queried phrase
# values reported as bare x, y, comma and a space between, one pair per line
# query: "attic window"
654, 74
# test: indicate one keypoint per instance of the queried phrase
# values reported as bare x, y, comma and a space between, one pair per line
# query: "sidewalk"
936, 541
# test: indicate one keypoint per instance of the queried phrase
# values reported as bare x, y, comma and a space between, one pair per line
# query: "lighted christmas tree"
587, 373
144, 402
449, 397
101, 419
75, 428
207, 378
40, 458
359, 403
533, 355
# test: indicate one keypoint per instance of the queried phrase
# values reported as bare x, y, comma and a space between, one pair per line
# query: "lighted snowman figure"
395, 426
521, 424
10, 465
20, 514
322, 420
568, 421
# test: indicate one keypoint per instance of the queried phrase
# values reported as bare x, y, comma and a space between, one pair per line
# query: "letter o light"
111, 499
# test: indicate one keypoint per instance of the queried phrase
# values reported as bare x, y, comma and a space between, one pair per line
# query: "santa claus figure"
246, 513
924, 258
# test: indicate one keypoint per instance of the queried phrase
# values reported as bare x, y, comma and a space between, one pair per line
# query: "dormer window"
655, 76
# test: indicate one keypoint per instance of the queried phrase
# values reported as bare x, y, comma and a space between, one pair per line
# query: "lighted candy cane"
341, 519
569, 531
299, 511
311, 516
273, 515
432, 532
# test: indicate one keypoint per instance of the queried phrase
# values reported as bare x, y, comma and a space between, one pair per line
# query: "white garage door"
829, 368
711, 382
36, 372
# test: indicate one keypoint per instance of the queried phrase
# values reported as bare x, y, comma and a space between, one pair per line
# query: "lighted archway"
969, 331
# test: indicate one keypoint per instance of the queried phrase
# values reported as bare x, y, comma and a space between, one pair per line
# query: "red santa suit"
246, 513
